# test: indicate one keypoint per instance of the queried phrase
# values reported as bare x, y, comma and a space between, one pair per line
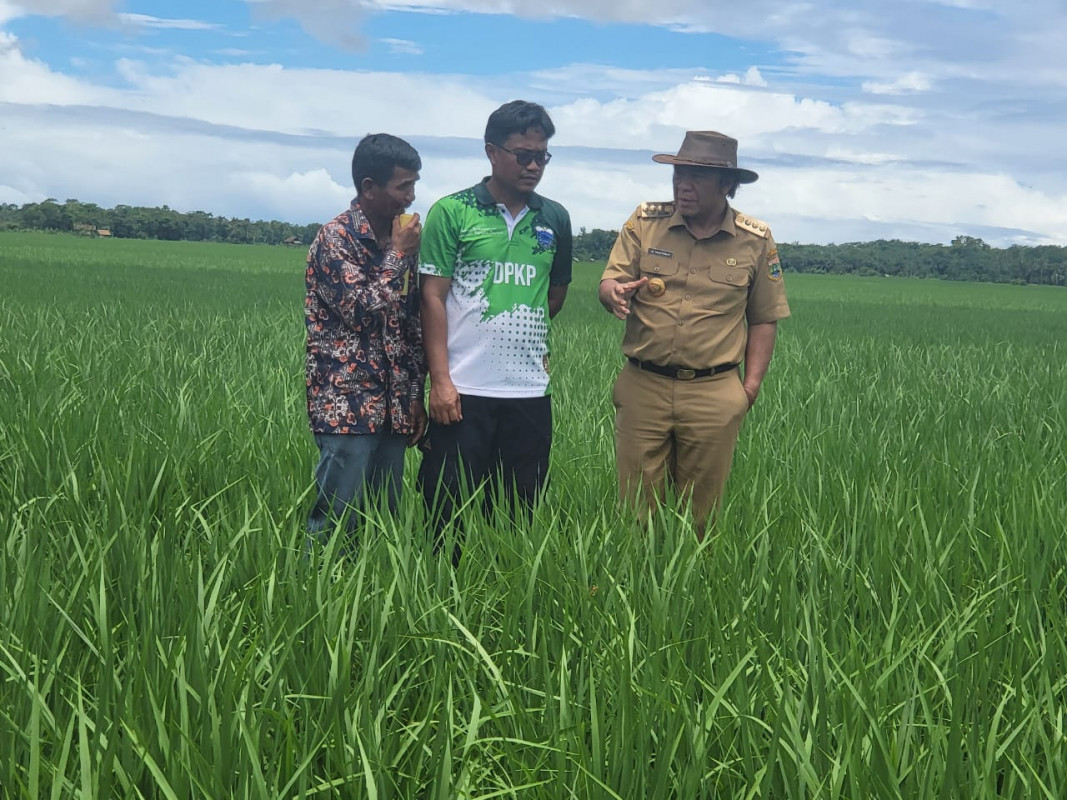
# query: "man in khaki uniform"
700, 287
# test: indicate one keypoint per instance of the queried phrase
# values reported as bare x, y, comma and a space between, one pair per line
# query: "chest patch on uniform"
656, 287
546, 237
665, 253
774, 266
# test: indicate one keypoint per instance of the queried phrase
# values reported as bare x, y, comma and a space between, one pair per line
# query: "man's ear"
367, 187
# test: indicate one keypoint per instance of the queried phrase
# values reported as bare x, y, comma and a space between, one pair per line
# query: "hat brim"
742, 175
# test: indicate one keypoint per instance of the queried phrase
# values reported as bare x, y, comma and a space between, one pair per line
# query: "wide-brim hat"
709, 149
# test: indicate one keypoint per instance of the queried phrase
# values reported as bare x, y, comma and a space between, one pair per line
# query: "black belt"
680, 373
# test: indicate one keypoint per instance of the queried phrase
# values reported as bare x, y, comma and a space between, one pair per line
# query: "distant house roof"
103, 232
290, 240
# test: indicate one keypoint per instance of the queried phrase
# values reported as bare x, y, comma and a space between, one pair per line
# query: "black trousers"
502, 444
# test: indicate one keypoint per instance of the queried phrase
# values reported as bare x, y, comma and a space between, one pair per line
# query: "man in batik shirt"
365, 362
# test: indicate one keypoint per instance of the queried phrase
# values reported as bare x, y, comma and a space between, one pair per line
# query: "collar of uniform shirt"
727, 224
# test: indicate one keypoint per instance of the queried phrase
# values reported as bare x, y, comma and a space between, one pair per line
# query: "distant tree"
593, 245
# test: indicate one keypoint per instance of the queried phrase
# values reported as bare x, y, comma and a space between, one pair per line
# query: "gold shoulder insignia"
656, 210
752, 225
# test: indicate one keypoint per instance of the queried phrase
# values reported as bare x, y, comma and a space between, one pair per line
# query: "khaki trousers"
683, 432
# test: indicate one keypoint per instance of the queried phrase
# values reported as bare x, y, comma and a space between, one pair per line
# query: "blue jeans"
351, 467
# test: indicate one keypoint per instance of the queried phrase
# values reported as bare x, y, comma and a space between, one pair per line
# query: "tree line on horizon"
967, 258
140, 222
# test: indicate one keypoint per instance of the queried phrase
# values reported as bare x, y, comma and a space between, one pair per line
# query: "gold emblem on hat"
656, 287
731, 262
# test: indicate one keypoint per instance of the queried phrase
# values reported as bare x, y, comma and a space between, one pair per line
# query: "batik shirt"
365, 361
497, 308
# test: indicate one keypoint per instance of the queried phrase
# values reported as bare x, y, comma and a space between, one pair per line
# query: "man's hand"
444, 403
406, 238
758, 357
615, 296
752, 392
418, 421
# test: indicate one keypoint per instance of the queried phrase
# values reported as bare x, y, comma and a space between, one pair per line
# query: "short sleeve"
766, 298
625, 258
563, 262
440, 241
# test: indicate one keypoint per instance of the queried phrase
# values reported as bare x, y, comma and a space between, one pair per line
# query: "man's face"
700, 191
507, 170
392, 197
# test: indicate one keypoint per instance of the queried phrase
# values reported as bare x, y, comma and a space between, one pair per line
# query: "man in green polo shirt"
495, 263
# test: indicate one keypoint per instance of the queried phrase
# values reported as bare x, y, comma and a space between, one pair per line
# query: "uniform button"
681, 322
687, 297
692, 272
730, 277
656, 269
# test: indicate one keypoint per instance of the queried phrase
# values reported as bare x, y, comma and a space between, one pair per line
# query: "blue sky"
913, 119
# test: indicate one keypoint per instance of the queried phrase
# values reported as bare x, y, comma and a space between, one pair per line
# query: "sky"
920, 120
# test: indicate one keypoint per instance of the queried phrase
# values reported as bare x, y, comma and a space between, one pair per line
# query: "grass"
878, 613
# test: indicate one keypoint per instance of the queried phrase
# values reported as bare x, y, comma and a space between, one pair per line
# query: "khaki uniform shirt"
694, 315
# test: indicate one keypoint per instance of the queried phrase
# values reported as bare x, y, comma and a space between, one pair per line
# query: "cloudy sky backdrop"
910, 119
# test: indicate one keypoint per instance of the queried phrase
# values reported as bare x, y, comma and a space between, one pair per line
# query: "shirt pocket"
729, 286
655, 265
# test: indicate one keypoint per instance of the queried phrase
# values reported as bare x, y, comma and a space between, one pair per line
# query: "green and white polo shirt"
497, 310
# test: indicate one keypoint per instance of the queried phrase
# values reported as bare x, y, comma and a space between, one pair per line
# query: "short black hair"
518, 116
377, 154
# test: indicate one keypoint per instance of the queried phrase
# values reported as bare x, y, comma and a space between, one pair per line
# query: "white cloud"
403, 47
942, 201
145, 21
9, 11
337, 22
303, 193
656, 119
905, 84
82, 10
271, 97
253, 140
9, 194
752, 77
862, 157
30, 81
869, 46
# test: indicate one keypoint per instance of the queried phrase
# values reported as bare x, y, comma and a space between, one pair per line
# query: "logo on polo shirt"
546, 237
517, 274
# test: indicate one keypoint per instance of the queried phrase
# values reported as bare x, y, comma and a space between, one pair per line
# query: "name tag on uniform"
665, 253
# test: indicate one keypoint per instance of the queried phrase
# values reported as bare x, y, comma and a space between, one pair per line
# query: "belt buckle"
685, 374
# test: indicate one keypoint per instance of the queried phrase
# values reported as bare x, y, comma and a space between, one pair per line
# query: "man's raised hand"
616, 296
407, 233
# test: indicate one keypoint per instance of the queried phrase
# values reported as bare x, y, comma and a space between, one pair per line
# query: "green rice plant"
876, 613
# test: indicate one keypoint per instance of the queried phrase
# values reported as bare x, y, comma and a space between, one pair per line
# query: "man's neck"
706, 224
513, 201
382, 227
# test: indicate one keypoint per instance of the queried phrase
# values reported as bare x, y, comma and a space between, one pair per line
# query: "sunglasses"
524, 157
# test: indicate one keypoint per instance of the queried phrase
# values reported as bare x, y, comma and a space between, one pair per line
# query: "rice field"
880, 611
